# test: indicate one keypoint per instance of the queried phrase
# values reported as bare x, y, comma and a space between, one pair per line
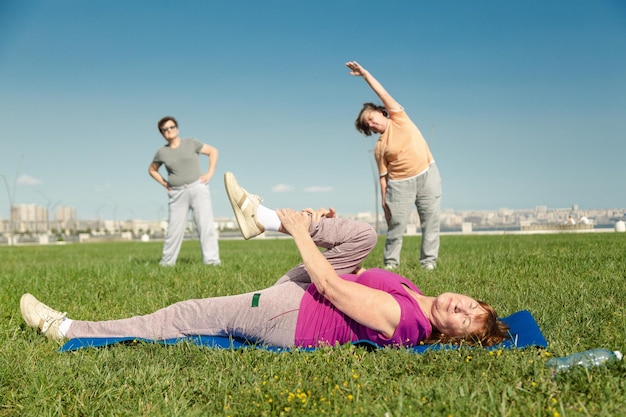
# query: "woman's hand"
356, 69
316, 215
204, 179
387, 213
294, 221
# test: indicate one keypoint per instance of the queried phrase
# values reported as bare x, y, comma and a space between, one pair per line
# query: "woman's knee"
368, 236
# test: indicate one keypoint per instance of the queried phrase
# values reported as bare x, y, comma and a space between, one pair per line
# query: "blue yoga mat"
523, 328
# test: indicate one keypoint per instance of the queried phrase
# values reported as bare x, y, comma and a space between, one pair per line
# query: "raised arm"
389, 102
373, 308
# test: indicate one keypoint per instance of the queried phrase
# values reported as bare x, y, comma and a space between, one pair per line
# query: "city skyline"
106, 208
38, 213
522, 104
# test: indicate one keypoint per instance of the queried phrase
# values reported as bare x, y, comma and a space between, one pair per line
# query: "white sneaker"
37, 314
245, 207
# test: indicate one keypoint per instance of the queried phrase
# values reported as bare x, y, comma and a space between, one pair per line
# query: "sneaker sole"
230, 182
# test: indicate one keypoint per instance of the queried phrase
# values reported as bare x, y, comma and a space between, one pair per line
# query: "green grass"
574, 284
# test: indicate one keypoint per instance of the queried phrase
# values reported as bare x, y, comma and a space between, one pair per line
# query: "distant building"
29, 218
66, 220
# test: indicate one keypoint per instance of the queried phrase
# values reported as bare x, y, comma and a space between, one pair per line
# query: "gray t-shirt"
182, 163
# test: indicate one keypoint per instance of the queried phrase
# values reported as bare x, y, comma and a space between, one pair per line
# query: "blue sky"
522, 103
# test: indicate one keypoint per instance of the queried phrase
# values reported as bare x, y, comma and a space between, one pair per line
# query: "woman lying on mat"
328, 299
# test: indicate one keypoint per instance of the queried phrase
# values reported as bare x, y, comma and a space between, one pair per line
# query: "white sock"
268, 218
65, 326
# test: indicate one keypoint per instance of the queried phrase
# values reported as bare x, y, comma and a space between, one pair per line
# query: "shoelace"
49, 317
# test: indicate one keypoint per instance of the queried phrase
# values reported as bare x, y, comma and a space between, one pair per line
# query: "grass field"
574, 284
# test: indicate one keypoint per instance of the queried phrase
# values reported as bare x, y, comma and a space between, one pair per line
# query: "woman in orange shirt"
407, 169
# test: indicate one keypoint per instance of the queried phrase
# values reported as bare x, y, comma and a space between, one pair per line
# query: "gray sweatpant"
423, 192
196, 197
266, 316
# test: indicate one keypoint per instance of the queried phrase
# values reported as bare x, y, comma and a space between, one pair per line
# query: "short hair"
360, 125
164, 120
492, 331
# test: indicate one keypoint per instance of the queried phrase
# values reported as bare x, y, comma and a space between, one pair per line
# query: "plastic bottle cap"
618, 355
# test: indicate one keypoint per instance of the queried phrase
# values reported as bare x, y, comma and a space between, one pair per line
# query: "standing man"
407, 169
187, 189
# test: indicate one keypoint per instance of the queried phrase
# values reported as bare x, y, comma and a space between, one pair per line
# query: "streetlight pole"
11, 195
47, 210
376, 185
115, 226
98, 215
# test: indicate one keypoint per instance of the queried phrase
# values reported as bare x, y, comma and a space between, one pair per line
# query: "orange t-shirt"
401, 151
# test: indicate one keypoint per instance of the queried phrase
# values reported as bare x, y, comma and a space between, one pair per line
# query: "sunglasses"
167, 129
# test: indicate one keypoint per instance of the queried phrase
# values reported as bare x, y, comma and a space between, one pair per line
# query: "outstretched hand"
356, 69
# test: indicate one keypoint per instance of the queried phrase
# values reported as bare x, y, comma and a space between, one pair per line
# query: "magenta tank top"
320, 323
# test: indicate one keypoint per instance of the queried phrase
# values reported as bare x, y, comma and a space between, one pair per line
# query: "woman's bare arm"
372, 308
388, 101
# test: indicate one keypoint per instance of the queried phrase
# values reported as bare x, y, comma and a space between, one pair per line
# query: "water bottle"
587, 359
